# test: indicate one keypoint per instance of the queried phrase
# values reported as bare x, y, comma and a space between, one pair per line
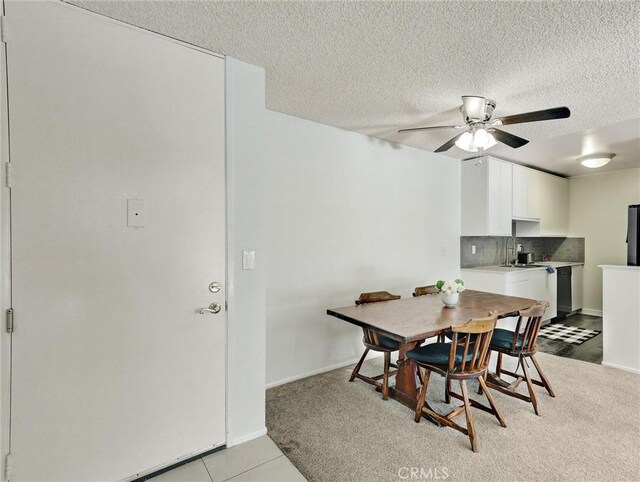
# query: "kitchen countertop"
558, 264
540, 266
617, 266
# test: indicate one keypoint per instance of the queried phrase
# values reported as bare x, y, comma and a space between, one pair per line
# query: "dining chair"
463, 359
522, 344
425, 290
376, 341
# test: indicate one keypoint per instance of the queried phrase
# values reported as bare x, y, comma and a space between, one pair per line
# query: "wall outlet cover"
248, 259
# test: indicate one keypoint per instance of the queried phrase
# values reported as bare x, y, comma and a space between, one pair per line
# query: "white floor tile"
192, 472
277, 470
230, 462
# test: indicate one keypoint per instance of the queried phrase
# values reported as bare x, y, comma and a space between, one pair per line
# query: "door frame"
5, 264
5, 249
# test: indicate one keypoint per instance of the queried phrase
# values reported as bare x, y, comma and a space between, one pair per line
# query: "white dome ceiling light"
594, 161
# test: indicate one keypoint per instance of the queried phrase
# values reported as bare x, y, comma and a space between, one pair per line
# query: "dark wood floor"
590, 350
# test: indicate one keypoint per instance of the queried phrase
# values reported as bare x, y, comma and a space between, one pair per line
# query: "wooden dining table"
409, 321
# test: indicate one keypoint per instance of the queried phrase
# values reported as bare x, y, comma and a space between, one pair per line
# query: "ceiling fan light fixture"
594, 161
483, 139
465, 142
472, 142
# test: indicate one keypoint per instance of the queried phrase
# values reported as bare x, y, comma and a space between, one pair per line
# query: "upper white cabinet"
526, 195
495, 192
486, 197
548, 199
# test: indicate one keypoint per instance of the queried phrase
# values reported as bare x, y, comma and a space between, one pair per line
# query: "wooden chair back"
425, 290
529, 336
474, 337
371, 336
376, 297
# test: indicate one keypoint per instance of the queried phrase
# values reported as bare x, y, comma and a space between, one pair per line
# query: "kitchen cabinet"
526, 194
576, 287
486, 197
495, 192
551, 201
532, 283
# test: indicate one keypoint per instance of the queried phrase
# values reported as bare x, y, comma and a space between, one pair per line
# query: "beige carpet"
333, 430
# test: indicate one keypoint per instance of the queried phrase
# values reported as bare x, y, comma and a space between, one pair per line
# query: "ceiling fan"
481, 132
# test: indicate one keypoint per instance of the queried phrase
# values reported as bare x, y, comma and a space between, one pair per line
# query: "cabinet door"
552, 296
576, 287
493, 197
520, 195
499, 198
518, 288
535, 185
506, 194
475, 204
554, 205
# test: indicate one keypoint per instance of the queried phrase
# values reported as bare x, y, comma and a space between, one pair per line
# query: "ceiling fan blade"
508, 139
412, 129
449, 144
539, 115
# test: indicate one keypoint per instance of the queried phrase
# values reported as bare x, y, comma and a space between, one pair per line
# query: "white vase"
449, 300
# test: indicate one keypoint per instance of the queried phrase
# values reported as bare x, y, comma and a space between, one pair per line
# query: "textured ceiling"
372, 66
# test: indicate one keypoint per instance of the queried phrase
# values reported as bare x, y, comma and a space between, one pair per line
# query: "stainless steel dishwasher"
564, 291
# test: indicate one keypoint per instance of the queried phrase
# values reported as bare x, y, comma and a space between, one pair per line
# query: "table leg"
405, 390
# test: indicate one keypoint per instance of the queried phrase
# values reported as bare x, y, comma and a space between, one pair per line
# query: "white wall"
346, 213
246, 289
598, 211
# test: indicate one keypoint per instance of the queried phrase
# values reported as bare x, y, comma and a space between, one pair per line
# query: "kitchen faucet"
506, 249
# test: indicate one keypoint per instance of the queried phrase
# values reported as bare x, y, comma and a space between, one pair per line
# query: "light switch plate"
248, 259
473, 249
135, 213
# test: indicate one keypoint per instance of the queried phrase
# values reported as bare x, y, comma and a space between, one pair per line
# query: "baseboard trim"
589, 311
620, 367
245, 438
322, 370
155, 471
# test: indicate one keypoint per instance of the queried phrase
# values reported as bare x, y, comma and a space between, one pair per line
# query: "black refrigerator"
633, 236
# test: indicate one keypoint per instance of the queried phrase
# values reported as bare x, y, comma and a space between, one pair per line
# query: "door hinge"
9, 174
10, 320
8, 475
3, 29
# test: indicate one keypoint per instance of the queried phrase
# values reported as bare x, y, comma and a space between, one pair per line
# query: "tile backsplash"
490, 249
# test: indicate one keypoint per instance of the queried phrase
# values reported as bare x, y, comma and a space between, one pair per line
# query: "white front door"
114, 371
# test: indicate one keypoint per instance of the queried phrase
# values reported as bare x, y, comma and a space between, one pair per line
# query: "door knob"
213, 308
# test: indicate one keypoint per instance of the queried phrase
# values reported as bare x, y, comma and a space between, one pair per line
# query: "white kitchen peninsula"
534, 283
621, 317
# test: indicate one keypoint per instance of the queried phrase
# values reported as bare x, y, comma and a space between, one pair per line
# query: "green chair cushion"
437, 354
387, 342
503, 338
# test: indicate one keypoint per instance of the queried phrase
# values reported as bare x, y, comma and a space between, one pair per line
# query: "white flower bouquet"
449, 291
450, 287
